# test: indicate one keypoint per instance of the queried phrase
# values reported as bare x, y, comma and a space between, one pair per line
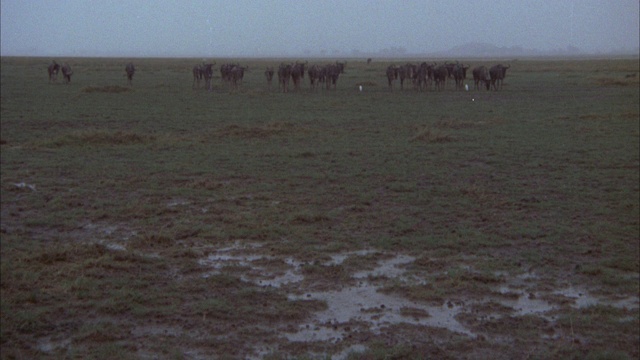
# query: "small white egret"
360, 88
466, 87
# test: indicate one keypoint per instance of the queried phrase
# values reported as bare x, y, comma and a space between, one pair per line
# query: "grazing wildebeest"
130, 70
392, 74
481, 74
297, 73
207, 74
440, 74
197, 76
459, 74
315, 73
269, 75
66, 72
498, 73
369, 61
341, 66
284, 73
53, 70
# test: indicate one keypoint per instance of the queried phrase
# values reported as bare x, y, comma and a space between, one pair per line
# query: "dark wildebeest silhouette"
269, 75
440, 74
369, 61
236, 74
423, 75
450, 67
481, 74
459, 74
405, 72
66, 72
207, 75
130, 70
297, 74
315, 74
284, 73
392, 75
498, 73
332, 72
53, 71
225, 72
197, 76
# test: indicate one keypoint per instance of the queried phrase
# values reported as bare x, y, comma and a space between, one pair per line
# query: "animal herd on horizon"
422, 77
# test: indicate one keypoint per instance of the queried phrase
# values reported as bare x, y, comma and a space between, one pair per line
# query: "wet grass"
111, 194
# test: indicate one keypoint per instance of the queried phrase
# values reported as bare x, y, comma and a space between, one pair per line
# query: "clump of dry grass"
453, 124
617, 82
105, 89
267, 130
432, 136
99, 137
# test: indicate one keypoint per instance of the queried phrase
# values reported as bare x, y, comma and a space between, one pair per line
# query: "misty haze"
353, 28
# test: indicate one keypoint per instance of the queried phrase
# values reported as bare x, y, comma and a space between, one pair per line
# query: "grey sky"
297, 28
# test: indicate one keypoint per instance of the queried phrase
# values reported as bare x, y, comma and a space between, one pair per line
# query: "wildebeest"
392, 74
268, 73
53, 70
498, 73
405, 72
315, 75
236, 74
284, 73
197, 75
422, 76
440, 74
481, 74
130, 70
332, 72
297, 73
369, 61
225, 71
459, 74
207, 74
66, 72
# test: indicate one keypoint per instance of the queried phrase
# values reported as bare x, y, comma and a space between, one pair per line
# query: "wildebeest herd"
424, 75
421, 77
54, 68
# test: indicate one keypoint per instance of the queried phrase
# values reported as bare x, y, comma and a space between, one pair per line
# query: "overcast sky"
237, 28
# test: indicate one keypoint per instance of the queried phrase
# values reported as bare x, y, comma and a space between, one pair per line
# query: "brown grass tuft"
267, 130
432, 136
99, 137
617, 82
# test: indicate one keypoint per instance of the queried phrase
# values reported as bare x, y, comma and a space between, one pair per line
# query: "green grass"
541, 176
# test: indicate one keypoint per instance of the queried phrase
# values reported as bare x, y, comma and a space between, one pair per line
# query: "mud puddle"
355, 312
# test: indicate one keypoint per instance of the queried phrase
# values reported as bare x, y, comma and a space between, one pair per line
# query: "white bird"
466, 87
360, 87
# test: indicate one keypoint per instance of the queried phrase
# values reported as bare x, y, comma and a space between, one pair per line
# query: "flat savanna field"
161, 221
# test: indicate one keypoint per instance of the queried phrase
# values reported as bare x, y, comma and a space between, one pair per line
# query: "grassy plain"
164, 221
